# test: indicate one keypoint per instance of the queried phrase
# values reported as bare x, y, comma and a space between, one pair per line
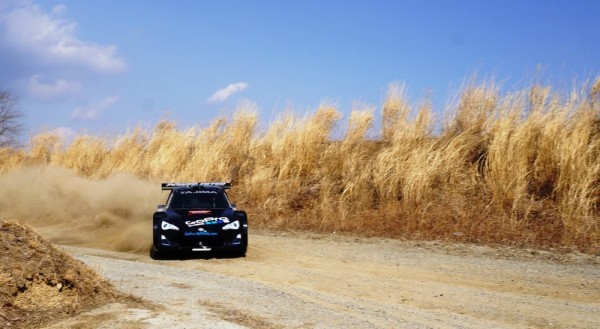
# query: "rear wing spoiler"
171, 186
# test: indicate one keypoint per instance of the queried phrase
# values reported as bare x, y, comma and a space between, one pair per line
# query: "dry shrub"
84, 155
11, 159
519, 168
43, 148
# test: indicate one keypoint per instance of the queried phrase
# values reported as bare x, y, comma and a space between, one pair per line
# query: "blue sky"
103, 67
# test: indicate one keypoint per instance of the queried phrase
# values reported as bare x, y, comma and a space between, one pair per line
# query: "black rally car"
198, 217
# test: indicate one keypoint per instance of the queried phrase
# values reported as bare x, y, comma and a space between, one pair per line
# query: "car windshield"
201, 199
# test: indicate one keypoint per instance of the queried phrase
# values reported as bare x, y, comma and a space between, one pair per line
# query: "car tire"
240, 251
156, 254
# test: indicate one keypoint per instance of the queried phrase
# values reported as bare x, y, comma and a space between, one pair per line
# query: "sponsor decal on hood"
207, 221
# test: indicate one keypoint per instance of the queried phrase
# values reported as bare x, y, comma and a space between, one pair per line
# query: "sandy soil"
298, 280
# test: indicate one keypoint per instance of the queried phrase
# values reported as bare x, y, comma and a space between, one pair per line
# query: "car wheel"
156, 254
240, 251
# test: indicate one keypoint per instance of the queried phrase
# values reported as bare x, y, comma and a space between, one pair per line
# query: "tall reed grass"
521, 168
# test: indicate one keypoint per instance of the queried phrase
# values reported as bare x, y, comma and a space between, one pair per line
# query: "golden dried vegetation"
519, 168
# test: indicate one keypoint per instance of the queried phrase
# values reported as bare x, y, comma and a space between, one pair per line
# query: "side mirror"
161, 208
233, 205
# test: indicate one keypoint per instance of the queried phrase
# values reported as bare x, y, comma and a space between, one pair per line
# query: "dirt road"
326, 281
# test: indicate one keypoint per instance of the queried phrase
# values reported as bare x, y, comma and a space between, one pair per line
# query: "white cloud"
59, 9
92, 111
222, 95
51, 91
51, 39
65, 134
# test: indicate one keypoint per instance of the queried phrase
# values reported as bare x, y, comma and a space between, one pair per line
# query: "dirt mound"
41, 283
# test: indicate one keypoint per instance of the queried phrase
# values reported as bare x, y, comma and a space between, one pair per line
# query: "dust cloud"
113, 213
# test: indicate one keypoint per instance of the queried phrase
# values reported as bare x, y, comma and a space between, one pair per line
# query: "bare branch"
10, 120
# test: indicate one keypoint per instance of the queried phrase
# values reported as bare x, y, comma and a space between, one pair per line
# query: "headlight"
168, 226
232, 226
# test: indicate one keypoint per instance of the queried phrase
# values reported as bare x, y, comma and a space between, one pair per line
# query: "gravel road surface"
300, 280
